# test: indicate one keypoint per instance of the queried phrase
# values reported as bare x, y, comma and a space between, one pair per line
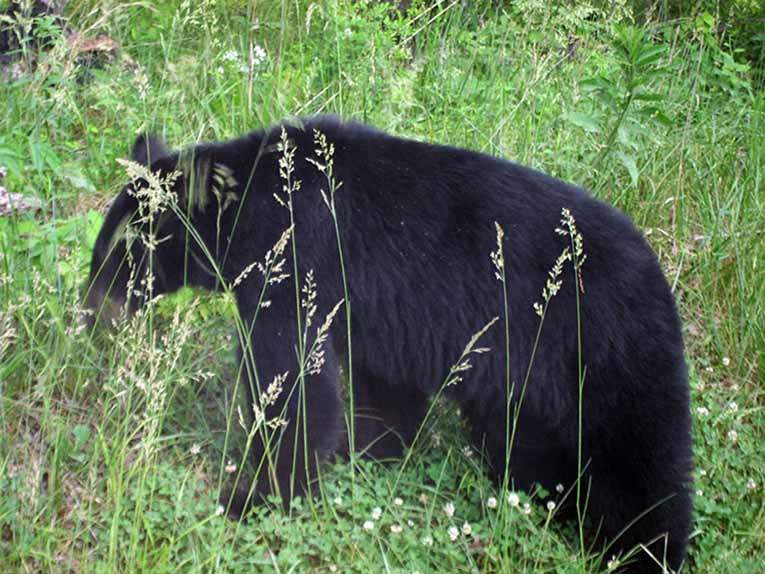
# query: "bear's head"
160, 232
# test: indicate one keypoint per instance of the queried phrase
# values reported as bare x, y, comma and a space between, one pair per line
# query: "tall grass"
661, 120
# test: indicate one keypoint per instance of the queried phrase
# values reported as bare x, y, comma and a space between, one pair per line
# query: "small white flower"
751, 484
231, 56
449, 509
613, 564
467, 451
332, 568
732, 435
230, 468
423, 498
410, 523
454, 533
699, 493
398, 501
491, 502
395, 528
467, 529
427, 541
726, 361
526, 508
338, 500
513, 499
195, 449
702, 472
368, 525
376, 512
559, 488
550, 505
733, 407
220, 510
258, 55
702, 411
709, 370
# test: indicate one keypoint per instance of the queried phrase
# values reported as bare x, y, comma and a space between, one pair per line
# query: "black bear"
412, 233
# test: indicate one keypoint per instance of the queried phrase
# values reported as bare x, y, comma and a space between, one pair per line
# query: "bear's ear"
147, 149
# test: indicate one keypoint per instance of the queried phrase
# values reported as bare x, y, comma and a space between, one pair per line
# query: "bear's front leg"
297, 415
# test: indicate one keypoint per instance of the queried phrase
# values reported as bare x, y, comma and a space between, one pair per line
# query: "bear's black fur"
416, 225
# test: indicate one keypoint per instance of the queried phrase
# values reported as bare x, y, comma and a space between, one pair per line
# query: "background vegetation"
113, 450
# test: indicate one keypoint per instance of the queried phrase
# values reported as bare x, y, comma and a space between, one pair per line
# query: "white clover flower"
513, 499
699, 493
559, 488
449, 509
702, 411
230, 467
220, 510
338, 500
733, 406
726, 361
702, 472
398, 501
410, 523
395, 528
732, 435
491, 502
332, 568
709, 370
427, 541
550, 505
526, 508
467, 451
195, 449
454, 533
467, 530
423, 498
368, 525
751, 484
376, 512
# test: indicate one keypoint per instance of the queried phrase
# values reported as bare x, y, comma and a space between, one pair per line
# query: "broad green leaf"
629, 163
584, 121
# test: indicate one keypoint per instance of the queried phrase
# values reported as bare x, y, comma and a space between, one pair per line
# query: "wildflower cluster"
244, 64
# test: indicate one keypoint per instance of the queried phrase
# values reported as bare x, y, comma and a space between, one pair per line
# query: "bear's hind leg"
537, 456
639, 494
